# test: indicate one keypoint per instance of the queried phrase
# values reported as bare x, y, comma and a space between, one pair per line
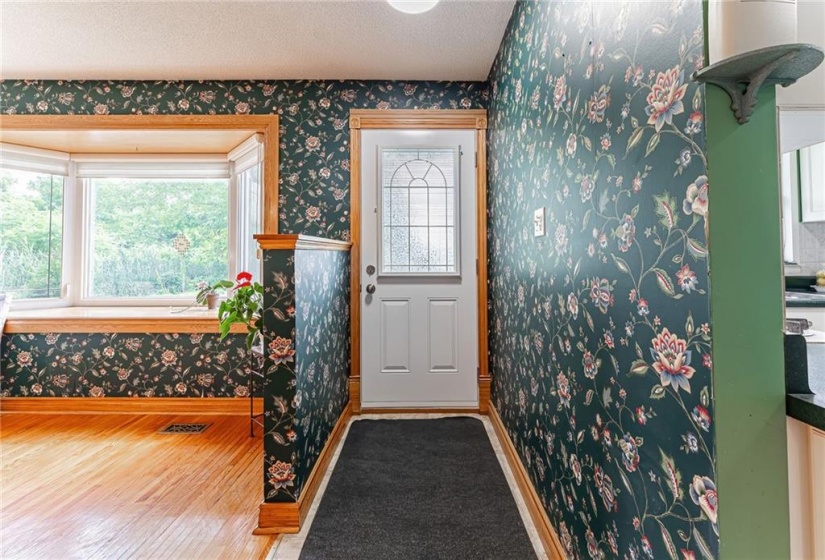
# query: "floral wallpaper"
323, 349
306, 335
314, 132
599, 331
123, 365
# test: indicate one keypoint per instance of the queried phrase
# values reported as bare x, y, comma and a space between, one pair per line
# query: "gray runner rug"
417, 489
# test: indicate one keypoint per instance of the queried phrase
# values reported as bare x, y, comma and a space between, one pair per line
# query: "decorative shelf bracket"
743, 75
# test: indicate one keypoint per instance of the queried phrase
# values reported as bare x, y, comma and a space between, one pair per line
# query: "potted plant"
209, 294
242, 306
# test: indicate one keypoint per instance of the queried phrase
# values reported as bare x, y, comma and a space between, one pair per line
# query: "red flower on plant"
243, 280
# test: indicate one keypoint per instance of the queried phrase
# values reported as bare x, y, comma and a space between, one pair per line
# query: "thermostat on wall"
538, 222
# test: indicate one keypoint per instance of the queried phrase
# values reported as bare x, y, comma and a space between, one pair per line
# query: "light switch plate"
538, 222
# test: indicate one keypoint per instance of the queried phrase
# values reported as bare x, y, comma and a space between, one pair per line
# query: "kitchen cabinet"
806, 463
812, 182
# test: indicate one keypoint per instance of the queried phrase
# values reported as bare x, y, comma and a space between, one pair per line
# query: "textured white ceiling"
226, 40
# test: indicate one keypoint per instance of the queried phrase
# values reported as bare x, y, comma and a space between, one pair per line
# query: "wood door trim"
416, 118
268, 125
472, 119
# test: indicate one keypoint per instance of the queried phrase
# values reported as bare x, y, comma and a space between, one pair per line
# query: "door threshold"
420, 408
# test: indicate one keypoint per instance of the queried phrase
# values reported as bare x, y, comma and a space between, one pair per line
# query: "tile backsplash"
811, 250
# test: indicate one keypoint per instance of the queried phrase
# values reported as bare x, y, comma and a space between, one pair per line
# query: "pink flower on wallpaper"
671, 360
665, 97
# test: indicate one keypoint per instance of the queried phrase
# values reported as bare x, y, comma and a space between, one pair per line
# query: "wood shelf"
158, 320
743, 75
291, 241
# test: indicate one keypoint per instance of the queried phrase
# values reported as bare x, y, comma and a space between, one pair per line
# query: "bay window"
100, 229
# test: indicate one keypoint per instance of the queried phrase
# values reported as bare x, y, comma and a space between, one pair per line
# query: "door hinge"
476, 156
476, 267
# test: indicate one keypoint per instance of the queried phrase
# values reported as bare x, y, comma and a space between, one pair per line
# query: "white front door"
419, 320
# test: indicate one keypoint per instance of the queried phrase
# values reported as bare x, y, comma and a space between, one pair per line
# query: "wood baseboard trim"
227, 406
547, 534
287, 517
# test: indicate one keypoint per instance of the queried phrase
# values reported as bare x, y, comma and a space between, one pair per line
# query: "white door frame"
475, 119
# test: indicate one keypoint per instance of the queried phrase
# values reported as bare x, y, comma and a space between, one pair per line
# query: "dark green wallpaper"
599, 331
314, 135
123, 365
314, 160
307, 339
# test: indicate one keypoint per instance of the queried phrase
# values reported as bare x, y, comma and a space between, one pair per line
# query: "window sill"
114, 320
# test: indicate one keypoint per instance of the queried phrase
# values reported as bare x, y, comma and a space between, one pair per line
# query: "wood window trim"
268, 125
473, 119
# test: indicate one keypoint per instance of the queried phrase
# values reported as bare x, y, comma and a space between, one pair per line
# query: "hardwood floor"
110, 486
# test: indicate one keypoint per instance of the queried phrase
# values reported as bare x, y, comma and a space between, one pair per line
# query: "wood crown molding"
287, 517
544, 528
418, 118
292, 241
223, 406
129, 325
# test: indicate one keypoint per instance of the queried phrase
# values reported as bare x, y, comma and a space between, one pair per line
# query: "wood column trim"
291, 241
547, 534
474, 119
287, 517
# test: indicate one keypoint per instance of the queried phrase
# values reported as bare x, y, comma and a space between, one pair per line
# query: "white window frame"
77, 169
141, 167
247, 155
790, 208
36, 160
456, 214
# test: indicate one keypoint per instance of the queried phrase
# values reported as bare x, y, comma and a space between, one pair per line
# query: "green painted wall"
747, 319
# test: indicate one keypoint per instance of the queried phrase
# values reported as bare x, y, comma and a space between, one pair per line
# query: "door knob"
370, 288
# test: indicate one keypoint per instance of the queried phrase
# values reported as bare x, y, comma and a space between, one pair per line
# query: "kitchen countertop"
808, 407
795, 298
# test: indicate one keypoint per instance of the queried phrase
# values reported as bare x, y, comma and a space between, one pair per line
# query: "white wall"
810, 90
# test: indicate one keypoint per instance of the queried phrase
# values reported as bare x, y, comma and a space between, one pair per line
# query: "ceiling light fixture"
413, 6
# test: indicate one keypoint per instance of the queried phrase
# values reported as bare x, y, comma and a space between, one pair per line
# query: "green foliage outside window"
31, 234
149, 237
